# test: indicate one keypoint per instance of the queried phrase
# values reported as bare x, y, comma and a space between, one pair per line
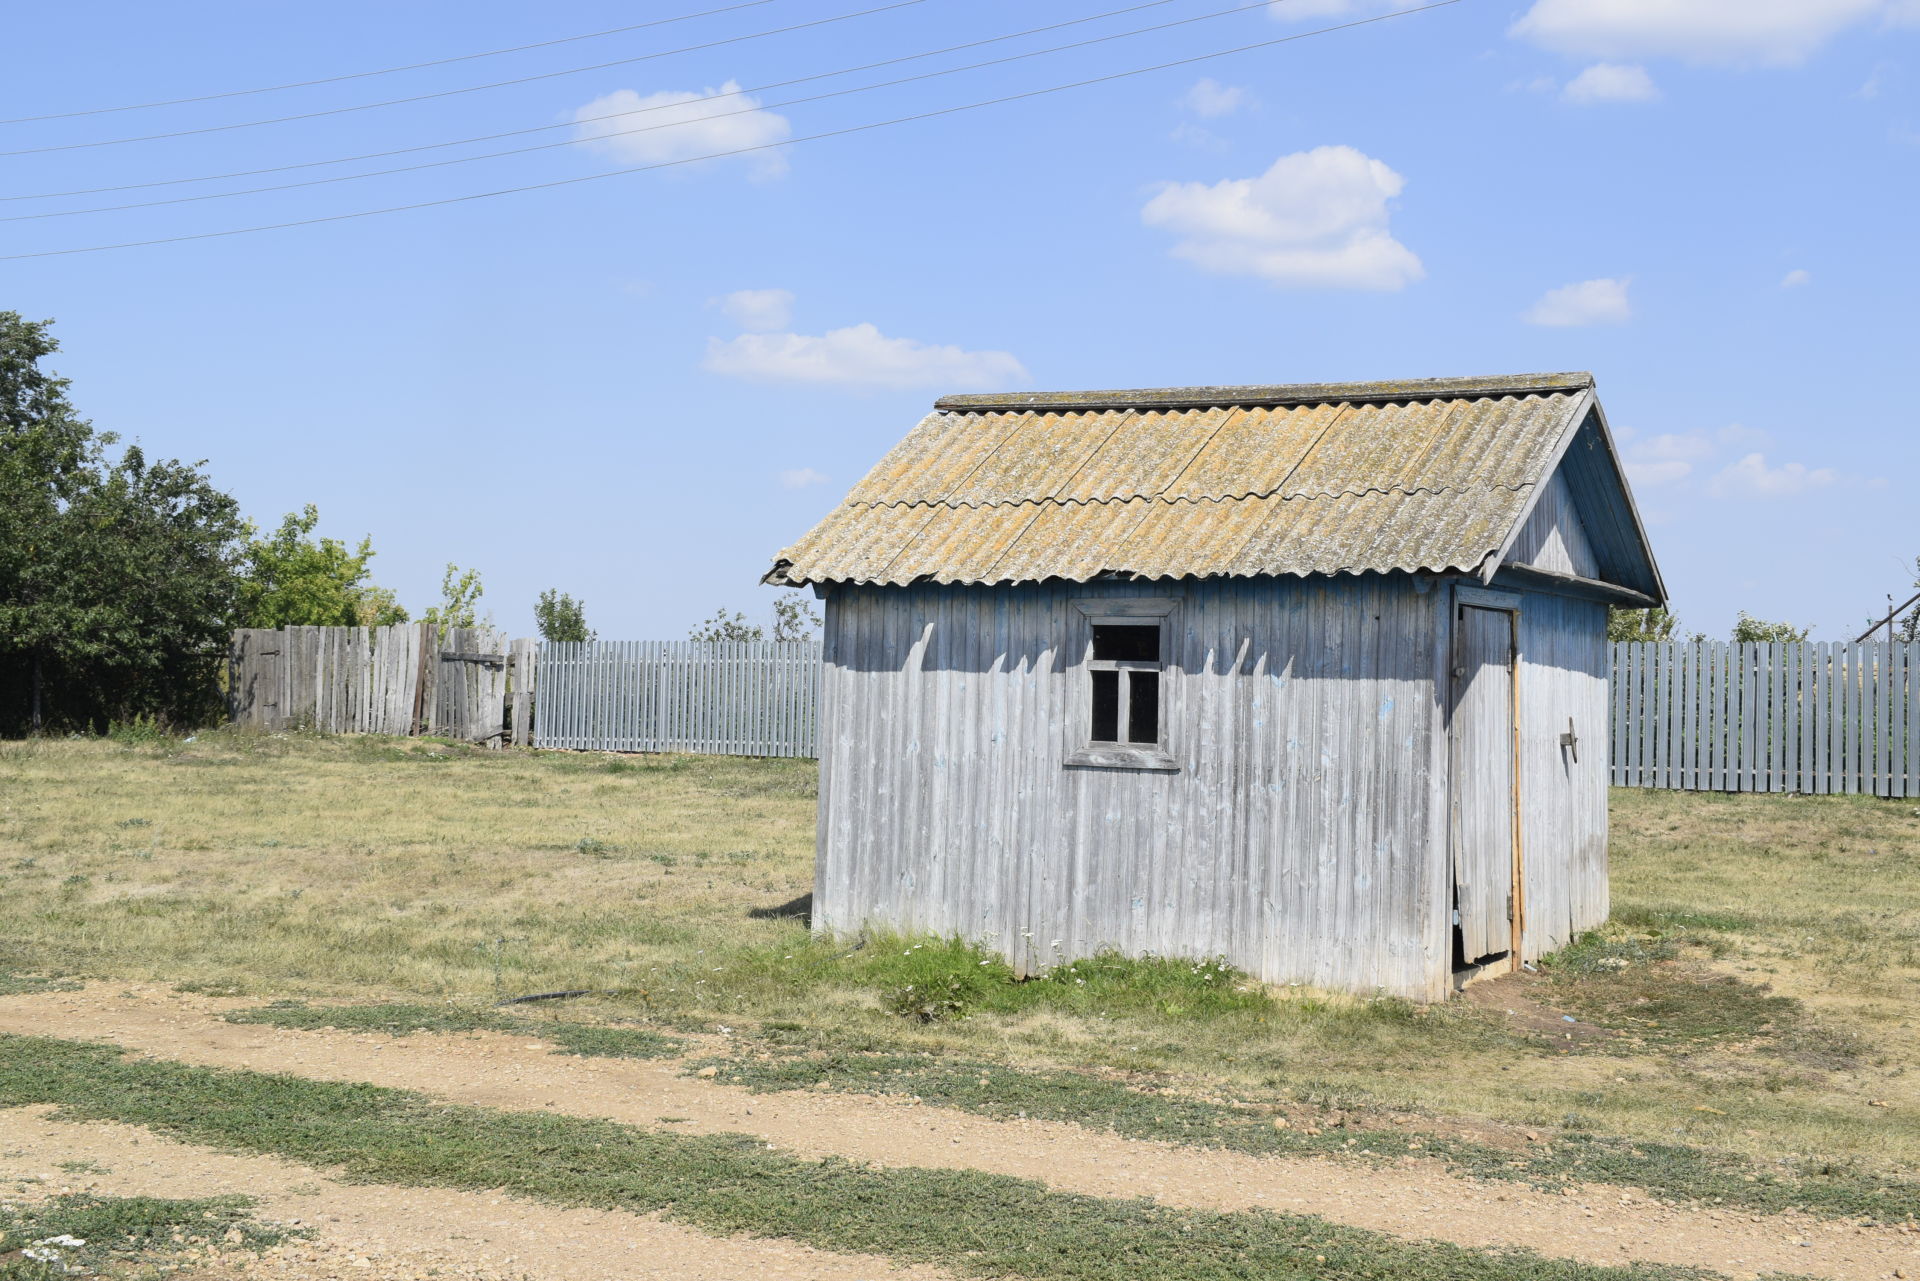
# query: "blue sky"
637, 388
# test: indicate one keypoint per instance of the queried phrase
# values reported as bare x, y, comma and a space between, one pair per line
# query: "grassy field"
1754, 997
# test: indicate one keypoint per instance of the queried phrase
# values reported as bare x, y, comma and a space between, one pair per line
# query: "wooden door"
1485, 852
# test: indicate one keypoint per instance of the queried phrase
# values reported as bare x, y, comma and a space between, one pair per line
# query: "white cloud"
1795, 278
1752, 477
1314, 219
1590, 302
1651, 474
1768, 32
672, 125
801, 478
1611, 82
860, 356
758, 309
1666, 459
1209, 99
1670, 458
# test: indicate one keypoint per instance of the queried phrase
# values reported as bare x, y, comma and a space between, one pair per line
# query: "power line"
384, 71
567, 124
739, 151
451, 93
671, 124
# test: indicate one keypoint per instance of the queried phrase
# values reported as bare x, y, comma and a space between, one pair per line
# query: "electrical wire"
567, 124
385, 71
671, 124
740, 151
452, 93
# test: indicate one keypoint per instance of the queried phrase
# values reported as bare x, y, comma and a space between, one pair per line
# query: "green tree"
460, 593
118, 577
1758, 630
727, 627
560, 617
794, 618
1656, 624
296, 580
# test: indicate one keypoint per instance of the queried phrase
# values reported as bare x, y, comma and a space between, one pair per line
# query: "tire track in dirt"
1418, 1200
376, 1231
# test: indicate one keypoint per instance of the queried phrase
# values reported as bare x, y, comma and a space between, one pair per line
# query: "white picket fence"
1815, 717
729, 698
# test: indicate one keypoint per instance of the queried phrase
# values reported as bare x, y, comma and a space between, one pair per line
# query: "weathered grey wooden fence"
1815, 717
413, 678
735, 698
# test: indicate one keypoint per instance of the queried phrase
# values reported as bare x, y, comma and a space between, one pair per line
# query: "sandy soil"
1413, 1199
375, 1232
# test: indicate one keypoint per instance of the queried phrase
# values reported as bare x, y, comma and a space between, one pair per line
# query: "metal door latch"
1571, 741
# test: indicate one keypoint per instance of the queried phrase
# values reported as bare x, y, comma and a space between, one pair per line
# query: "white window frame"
1134, 611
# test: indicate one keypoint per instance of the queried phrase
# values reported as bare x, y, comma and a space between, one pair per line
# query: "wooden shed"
1312, 678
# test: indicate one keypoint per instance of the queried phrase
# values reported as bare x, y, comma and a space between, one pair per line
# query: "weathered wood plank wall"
1563, 789
736, 698
1811, 717
410, 678
1304, 836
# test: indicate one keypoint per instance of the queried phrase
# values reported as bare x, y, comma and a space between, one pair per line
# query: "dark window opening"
1127, 642
1106, 707
1143, 707
1125, 671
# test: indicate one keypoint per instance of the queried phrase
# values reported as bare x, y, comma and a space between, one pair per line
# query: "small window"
1125, 674
1122, 684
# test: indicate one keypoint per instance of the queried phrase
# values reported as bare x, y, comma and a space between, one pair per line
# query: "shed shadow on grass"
799, 909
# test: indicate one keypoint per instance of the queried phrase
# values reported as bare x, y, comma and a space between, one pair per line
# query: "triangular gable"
1586, 500
1554, 539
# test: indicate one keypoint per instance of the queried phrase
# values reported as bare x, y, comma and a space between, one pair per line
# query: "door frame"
1508, 603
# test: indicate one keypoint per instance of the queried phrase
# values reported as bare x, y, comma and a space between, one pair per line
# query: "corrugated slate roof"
1174, 482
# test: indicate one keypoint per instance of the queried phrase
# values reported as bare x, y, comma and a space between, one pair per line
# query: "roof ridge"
1502, 385
1250, 495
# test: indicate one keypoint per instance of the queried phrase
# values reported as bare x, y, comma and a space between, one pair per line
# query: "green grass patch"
1142, 1110
36, 1241
597, 1040
13, 983
396, 1019
400, 1019
931, 979
972, 1223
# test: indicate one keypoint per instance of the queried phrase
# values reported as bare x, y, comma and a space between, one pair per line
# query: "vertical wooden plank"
1746, 712
1637, 697
1833, 707
1790, 718
1729, 716
1809, 678
1663, 714
1616, 730
1913, 718
1726, 729
1713, 689
1844, 719
1891, 728
1770, 719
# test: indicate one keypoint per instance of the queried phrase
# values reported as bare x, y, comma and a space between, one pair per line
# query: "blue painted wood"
1768, 717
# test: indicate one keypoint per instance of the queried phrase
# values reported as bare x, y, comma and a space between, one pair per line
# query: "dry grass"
354, 867
291, 866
